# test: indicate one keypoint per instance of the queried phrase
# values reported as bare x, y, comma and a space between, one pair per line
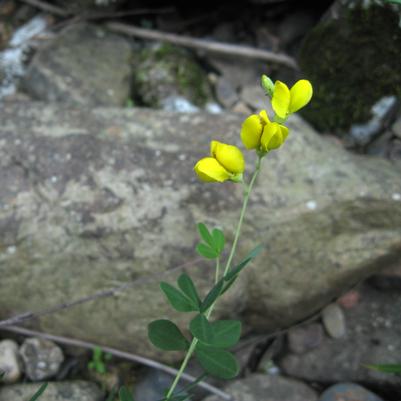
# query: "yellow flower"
259, 133
287, 101
226, 163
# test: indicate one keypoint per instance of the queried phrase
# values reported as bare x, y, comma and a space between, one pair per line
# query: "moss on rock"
352, 62
167, 70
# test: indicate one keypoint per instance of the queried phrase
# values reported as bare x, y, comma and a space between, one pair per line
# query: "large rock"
96, 198
55, 391
84, 65
349, 67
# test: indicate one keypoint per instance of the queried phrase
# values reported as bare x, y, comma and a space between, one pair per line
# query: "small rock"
83, 65
55, 391
334, 321
350, 299
42, 358
9, 361
178, 104
260, 387
396, 127
304, 338
348, 392
226, 93
153, 384
213, 107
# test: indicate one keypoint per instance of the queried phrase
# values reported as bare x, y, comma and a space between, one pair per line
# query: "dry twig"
45, 6
201, 44
118, 353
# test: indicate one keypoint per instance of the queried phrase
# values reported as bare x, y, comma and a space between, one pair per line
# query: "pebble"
350, 299
304, 338
42, 358
348, 392
334, 321
55, 391
10, 364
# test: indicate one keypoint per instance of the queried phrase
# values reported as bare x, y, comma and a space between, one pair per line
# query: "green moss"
169, 70
352, 62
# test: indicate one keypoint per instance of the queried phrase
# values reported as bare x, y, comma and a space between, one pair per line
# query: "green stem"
192, 346
247, 192
194, 342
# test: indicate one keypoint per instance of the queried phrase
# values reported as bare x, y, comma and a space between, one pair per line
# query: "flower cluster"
258, 132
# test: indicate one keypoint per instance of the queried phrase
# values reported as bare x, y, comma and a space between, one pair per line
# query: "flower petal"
301, 94
264, 117
281, 99
251, 131
284, 132
230, 157
269, 132
209, 169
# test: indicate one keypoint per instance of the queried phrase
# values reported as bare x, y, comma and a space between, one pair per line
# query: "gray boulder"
96, 198
55, 391
84, 64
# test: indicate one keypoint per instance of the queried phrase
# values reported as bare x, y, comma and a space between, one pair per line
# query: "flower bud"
267, 85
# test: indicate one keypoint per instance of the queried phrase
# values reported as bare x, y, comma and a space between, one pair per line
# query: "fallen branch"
120, 354
52, 9
209, 46
22, 317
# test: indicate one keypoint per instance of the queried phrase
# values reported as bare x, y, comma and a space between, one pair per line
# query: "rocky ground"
78, 122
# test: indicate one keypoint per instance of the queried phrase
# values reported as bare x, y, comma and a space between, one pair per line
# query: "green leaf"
41, 390
212, 296
177, 299
205, 234
164, 334
125, 395
187, 286
218, 240
228, 285
226, 333
206, 251
201, 329
235, 270
217, 362
386, 368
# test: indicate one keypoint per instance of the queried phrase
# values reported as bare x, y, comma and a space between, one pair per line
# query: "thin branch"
118, 353
126, 13
210, 46
45, 6
22, 317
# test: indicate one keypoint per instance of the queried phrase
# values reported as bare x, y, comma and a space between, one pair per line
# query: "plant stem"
194, 342
192, 346
247, 192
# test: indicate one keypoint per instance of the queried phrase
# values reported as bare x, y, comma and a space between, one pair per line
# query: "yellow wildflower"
259, 133
226, 163
287, 101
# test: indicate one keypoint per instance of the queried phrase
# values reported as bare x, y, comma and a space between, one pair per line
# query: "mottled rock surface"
259, 387
83, 65
55, 391
355, 70
95, 198
348, 392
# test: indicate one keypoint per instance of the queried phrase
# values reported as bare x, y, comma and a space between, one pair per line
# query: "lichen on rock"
353, 60
165, 70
